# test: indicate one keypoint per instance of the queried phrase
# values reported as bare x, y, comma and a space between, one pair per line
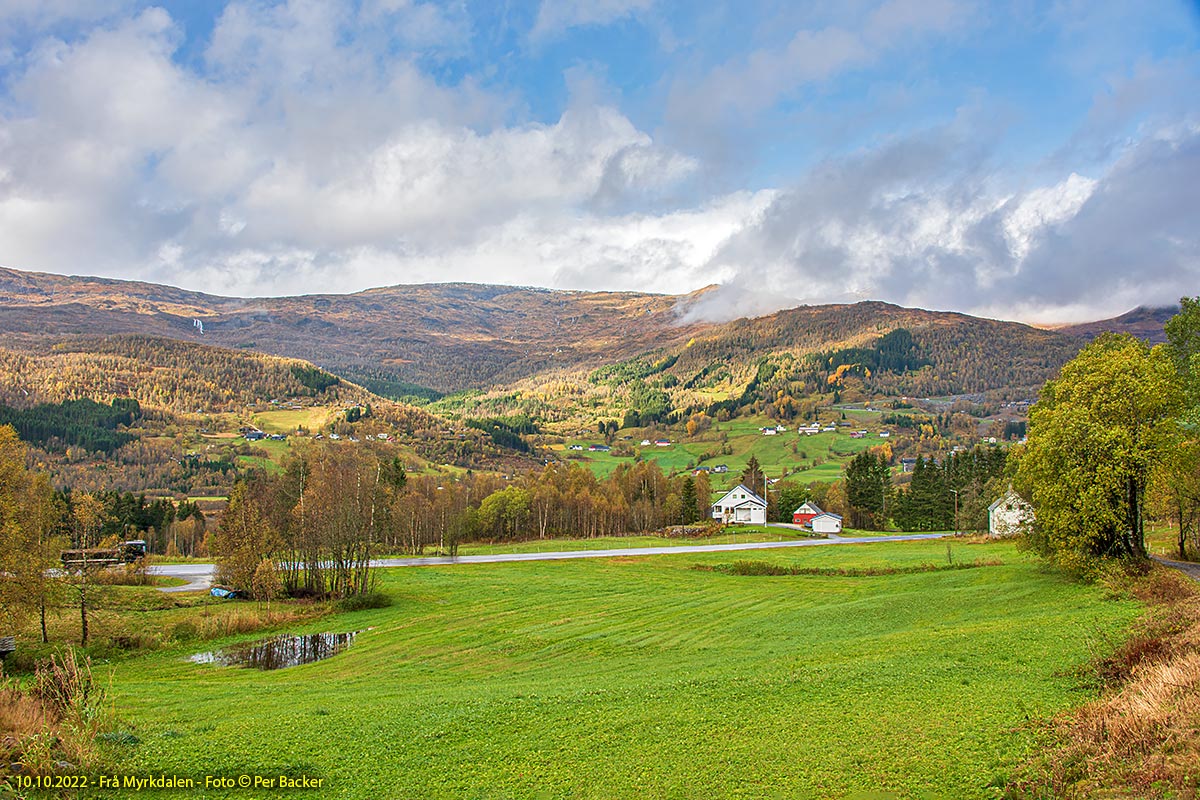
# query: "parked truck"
124, 553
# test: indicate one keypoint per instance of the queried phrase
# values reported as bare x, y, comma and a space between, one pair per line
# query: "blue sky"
1027, 160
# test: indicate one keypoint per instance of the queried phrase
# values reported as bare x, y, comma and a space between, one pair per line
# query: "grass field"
1162, 539
819, 457
287, 420
734, 534
643, 677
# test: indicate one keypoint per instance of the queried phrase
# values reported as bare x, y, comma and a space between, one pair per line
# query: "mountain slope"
967, 354
451, 337
1144, 322
446, 337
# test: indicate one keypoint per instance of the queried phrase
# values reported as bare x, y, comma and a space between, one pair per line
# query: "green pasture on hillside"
797, 453
645, 677
286, 420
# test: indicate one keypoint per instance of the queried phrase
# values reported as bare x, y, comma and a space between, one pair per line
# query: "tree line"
74, 423
37, 524
321, 519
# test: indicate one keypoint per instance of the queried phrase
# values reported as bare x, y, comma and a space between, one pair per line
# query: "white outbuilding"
1009, 515
827, 523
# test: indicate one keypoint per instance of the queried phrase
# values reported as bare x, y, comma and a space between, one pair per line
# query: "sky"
1037, 161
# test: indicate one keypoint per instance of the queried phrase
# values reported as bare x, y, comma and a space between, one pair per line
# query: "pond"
277, 652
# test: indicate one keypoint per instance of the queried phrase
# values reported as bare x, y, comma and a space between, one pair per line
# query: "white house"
741, 505
1009, 515
826, 523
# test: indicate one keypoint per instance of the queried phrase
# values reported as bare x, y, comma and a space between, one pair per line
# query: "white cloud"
293, 156
913, 224
666, 253
1039, 210
749, 84
557, 16
39, 15
301, 158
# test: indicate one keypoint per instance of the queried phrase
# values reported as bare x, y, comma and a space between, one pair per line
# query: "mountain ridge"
433, 339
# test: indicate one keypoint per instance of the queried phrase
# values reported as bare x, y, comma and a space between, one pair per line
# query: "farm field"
286, 420
645, 677
818, 457
735, 534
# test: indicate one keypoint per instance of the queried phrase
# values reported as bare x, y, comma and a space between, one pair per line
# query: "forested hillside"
402, 340
180, 376
786, 364
953, 354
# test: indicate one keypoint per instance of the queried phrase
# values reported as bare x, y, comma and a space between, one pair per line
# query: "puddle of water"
278, 652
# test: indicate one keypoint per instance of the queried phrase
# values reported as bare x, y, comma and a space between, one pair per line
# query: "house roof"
829, 514
1009, 495
812, 507
751, 496
756, 501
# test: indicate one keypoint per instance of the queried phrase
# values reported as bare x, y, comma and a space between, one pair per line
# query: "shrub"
58, 718
132, 574
242, 619
185, 631
1139, 738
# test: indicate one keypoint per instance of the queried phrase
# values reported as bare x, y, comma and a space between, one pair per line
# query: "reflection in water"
279, 651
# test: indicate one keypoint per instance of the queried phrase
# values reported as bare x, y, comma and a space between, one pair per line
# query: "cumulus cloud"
919, 223
299, 159
311, 146
668, 253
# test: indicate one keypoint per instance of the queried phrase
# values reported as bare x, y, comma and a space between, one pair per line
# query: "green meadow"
646, 677
735, 534
819, 457
286, 420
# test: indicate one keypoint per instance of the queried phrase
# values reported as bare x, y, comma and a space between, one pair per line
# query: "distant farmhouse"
805, 513
741, 505
1009, 515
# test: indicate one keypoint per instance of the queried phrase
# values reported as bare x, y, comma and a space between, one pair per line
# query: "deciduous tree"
27, 547
1096, 434
244, 539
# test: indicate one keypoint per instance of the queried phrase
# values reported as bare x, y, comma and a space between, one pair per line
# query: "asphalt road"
1189, 568
200, 576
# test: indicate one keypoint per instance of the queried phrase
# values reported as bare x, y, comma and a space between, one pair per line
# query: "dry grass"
241, 619
1141, 738
21, 717
132, 574
55, 719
